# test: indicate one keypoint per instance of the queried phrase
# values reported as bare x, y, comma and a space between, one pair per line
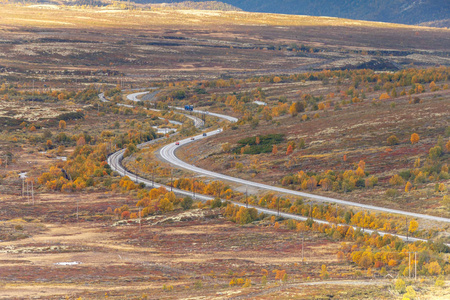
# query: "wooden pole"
278, 205
246, 196
32, 192
171, 178
140, 218
409, 264
153, 176
28, 192
415, 266
407, 230
303, 248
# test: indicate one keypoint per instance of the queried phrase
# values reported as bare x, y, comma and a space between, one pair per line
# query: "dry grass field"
54, 61
61, 45
196, 253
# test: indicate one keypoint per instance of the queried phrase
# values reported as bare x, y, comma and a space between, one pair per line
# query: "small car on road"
177, 143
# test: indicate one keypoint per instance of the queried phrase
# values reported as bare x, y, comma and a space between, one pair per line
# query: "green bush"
265, 145
186, 203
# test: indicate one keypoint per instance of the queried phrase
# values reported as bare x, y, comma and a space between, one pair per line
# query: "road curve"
134, 96
220, 116
168, 153
115, 159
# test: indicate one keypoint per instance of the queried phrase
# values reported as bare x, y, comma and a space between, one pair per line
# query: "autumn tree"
311, 183
293, 110
434, 268
289, 150
49, 144
414, 138
392, 140
433, 86
413, 225
396, 180
435, 153
81, 141
384, 96
62, 124
446, 201
165, 205
324, 272
279, 274
186, 203
301, 143
408, 186
274, 149
226, 147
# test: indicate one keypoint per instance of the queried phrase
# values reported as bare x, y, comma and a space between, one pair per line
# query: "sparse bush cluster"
346, 181
258, 144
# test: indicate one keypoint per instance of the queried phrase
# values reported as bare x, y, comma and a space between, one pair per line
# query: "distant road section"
220, 116
149, 97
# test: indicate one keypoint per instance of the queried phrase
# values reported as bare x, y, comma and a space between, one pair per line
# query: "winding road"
168, 153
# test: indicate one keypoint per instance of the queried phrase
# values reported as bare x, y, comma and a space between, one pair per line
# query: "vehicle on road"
192, 138
189, 107
204, 133
177, 143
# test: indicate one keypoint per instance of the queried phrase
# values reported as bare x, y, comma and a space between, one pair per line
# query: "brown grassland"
76, 242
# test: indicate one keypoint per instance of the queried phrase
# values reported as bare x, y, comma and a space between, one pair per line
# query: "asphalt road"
114, 160
168, 153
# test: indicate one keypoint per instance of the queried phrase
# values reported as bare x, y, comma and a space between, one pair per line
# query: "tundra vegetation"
352, 133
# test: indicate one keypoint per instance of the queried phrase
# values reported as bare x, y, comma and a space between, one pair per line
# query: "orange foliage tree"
414, 138
289, 150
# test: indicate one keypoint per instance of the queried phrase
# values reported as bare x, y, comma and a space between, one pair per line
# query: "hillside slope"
395, 11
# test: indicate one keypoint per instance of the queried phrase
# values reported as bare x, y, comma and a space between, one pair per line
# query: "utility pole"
140, 216
278, 206
32, 192
246, 195
28, 192
415, 266
153, 176
303, 249
407, 229
171, 178
409, 264
135, 173
336, 215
